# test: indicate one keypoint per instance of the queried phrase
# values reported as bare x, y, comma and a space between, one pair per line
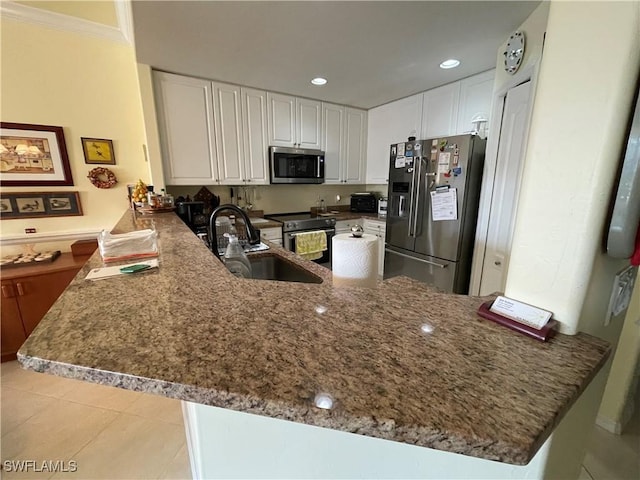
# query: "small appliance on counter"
365, 202
193, 214
382, 207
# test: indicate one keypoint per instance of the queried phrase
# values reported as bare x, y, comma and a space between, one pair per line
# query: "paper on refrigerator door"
444, 205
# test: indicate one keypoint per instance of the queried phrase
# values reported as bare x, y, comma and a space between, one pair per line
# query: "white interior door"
513, 135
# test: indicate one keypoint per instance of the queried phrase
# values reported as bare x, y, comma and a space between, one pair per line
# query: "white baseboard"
609, 425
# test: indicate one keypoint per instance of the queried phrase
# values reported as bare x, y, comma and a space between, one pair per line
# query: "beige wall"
584, 93
88, 86
281, 198
95, 10
618, 402
575, 141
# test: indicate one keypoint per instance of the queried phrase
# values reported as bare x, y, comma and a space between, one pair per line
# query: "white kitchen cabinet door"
282, 114
344, 226
333, 142
377, 228
186, 127
440, 111
343, 141
273, 235
227, 109
256, 146
390, 123
355, 146
475, 98
308, 123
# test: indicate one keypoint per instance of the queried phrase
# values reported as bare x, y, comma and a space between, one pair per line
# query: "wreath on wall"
102, 177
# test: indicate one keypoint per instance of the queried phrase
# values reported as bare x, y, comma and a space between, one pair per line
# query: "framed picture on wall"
98, 151
33, 155
39, 204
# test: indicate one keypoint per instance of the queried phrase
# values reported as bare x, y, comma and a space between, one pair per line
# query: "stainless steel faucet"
252, 234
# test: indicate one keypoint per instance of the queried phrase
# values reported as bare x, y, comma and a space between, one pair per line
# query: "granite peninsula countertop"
190, 330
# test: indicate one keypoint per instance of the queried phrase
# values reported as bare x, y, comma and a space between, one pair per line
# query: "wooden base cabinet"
27, 295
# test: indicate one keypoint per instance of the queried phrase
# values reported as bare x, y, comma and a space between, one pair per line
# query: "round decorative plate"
514, 53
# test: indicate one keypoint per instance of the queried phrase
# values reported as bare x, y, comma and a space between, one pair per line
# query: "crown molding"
58, 21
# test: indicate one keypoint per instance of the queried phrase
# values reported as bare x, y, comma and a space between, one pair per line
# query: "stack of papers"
106, 272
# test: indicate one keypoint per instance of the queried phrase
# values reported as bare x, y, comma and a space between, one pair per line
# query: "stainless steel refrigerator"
434, 189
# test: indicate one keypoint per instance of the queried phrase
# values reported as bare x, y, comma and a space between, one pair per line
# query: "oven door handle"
331, 230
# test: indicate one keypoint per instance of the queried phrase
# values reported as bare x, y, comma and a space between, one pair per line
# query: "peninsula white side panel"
228, 444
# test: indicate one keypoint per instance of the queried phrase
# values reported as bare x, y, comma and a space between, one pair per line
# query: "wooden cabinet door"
440, 111
333, 142
228, 131
355, 146
12, 334
36, 295
476, 95
281, 120
186, 126
390, 123
308, 123
256, 145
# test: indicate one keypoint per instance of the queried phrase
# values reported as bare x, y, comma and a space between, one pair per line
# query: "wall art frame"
98, 151
33, 156
39, 204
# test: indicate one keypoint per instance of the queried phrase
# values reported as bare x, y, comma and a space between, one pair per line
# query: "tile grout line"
3, 433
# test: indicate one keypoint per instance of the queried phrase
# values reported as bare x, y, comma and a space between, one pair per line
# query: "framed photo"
98, 150
33, 156
39, 204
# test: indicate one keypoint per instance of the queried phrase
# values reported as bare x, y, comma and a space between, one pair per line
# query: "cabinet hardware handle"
7, 291
20, 289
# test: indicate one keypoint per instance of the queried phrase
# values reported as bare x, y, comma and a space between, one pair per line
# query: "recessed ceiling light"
451, 63
319, 81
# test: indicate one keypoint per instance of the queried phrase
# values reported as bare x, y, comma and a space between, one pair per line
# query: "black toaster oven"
364, 203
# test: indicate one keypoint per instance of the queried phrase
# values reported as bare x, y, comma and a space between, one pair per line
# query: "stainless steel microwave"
296, 165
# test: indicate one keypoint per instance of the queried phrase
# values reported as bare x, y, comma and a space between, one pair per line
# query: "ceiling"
370, 52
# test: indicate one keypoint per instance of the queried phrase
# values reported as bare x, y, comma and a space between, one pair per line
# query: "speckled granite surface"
192, 331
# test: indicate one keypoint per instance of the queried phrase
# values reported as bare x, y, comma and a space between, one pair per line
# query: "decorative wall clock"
514, 53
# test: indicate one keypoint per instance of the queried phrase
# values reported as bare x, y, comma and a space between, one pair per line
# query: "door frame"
527, 73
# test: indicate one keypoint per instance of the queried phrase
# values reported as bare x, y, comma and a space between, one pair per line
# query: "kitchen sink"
273, 267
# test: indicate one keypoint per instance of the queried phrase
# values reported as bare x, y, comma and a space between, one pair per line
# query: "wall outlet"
29, 230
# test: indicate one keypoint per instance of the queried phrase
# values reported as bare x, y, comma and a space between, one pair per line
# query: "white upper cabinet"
282, 115
333, 142
294, 122
308, 123
476, 94
344, 132
186, 127
440, 111
256, 146
228, 133
355, 145
390, 123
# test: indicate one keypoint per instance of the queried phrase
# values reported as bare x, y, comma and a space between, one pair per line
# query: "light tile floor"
117, 434
110, 433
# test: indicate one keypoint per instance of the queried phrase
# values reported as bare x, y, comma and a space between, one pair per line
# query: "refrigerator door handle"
413, 199
435, 264
417, 199
401, 203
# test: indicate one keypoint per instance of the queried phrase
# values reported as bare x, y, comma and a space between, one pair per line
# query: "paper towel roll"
354, 261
